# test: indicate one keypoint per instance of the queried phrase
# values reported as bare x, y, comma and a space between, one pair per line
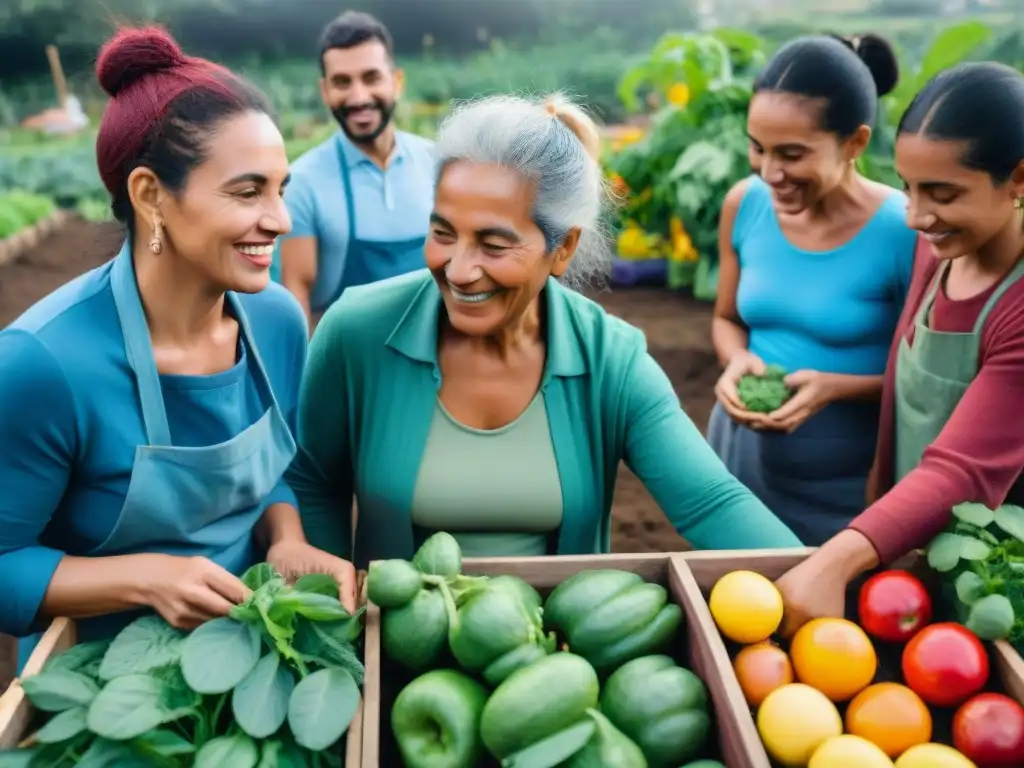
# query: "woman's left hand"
293, 559
813, 391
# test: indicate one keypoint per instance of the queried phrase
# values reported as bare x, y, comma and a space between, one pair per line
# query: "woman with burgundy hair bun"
147, 407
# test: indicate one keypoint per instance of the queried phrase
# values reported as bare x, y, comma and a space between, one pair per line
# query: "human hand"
740, 365
812, 590
813, 391
187, 591
292, 559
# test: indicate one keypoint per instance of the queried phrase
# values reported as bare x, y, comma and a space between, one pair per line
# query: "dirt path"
678, 332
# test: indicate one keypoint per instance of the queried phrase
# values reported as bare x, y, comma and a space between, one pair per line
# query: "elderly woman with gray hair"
482, 396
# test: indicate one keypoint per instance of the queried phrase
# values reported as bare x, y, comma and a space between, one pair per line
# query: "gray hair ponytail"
555, 145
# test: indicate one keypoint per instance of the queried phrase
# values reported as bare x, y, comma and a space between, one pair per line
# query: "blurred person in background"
815, 264
483, 396
147, 407
951, 427
360, 201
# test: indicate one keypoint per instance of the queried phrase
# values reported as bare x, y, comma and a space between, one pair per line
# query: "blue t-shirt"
390, 205
833, 311
70, 422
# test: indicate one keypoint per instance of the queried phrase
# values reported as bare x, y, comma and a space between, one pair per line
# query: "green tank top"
496, 491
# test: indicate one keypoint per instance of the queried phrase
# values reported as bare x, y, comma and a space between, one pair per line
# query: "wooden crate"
700, 570
732, 724
16, 710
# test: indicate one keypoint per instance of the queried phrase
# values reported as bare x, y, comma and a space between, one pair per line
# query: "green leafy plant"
275, 683
766, 393
982, 558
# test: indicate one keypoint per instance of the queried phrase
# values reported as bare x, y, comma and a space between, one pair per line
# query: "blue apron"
195, 501
368, 261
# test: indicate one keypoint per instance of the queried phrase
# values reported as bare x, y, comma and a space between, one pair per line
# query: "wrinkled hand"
812, 393
740, 365
187, 591
293, 559
813, 589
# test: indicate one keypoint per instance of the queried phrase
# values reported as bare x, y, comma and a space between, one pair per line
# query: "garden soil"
678, 335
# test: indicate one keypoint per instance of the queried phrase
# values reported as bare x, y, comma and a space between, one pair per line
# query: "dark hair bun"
877, 53
134, 53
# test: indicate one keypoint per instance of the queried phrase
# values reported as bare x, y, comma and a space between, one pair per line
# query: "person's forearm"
849, 387
850, 553
83, 587
728, 339
280, 522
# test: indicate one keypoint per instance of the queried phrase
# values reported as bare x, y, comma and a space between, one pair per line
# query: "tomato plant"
989, 729
945, 664
894, 606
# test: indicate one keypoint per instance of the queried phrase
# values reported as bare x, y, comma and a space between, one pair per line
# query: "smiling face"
360, 87
226, 219
959, 209
799, 161
486, 253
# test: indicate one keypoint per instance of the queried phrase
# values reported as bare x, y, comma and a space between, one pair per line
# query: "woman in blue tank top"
815, 265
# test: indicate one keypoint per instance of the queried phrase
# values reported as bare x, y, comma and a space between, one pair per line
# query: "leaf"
555, 749
165, 743
63, 726
321, 708
143, 645
258, 575
313, 605
975, 514
218, 654
270, 755
19, 758
59, 690
260, 701
944, 552
970, 587
130, 706
83, 657
238, 751
318, 583
1010, 519
103, 753
974, 549
991, 617
329, 644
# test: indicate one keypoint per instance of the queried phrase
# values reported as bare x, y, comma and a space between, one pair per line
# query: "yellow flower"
679, 95
681, 246
636, 244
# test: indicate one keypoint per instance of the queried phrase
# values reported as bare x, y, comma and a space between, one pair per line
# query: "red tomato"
945, 664
989, 729
894, 606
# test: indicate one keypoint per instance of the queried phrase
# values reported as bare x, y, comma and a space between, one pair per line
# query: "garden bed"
25, 240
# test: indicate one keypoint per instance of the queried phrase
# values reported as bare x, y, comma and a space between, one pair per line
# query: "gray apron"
194, 501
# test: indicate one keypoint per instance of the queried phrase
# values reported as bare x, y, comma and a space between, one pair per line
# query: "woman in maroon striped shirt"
951, 428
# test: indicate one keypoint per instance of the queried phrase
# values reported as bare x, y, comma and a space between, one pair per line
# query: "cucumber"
537, 701
416, 634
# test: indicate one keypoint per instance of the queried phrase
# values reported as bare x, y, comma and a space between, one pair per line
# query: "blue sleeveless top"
833, 311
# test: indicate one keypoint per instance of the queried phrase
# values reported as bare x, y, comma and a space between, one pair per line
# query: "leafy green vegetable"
764, 394
285, 662
982, 556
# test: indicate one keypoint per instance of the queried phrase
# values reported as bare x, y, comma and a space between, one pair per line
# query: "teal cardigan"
368, 396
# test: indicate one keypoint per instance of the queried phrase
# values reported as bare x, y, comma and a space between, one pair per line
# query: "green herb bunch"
765, 393
220, 696
982, 556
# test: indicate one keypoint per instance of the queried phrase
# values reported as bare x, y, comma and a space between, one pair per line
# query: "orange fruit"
835, 656
762, 668
890, 716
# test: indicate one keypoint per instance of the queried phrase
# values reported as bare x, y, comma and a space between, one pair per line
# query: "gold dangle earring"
156, 245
